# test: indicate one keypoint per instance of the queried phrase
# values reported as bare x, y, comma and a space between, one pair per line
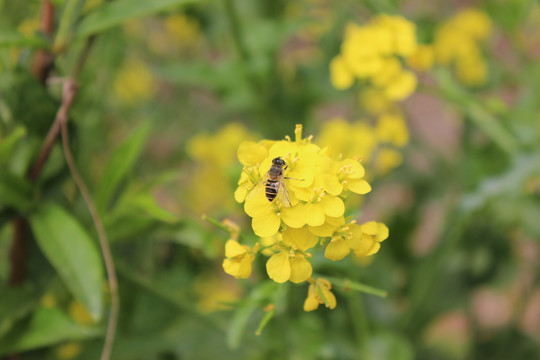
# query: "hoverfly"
274, 183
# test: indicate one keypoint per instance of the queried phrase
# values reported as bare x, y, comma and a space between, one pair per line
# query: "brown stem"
41, 66
70, 89
18, 252
43, 60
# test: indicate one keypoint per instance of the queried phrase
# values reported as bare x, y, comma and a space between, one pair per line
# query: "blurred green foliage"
461, 265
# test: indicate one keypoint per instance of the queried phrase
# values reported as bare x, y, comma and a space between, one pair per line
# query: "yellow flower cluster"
457, 43
372, 53
377, 145
134, 82
214, 155
307, 210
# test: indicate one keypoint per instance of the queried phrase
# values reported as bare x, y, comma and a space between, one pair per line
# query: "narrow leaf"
13, 38
14, 191
72, 253
70, 15
8, 143
119, 164
115, 13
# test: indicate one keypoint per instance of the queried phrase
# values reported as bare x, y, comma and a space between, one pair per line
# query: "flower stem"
347, 284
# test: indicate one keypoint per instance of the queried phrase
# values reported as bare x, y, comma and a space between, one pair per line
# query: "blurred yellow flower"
351, 140
457, 43
319, 293
79, 313
184, 30
238, 259
373, 233
214, 155
134, 82
373, 52
387, 159
392, 129
422, 59
214, 292
68, 350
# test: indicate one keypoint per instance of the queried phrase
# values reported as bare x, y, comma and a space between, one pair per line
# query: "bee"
273, 183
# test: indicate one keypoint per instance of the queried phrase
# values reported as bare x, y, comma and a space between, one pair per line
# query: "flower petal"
293, 216
356, 170
266, 225
233, 249
314, 214
301, 269
231, 267
278, 267
332, 205
244, 270
302, 238
327, 297
337, 249
358, 186
366, 246
251, 153
312, 302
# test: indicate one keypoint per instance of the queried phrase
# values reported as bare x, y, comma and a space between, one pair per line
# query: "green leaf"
7, 144
115, 13
14, 304
47, 326
120, 162
14, 191
72, 253
70, 15
14, 38
243, 314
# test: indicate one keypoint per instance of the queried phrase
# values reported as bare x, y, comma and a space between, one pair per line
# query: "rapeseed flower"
373, 52
238, 259
457, 44
309, 218
319, 293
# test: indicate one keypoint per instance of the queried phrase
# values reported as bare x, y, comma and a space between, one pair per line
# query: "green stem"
236, 29
452, 92
347, 284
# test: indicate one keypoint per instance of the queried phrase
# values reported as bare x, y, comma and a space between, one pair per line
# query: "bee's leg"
290, 178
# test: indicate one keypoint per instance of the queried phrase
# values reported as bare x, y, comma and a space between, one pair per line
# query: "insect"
273, 183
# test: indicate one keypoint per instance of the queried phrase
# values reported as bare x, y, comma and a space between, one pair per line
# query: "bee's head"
278, 161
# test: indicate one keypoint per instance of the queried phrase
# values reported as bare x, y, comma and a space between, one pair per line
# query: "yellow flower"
471, 71
213, 293
457, 43
238, 259
391, 129
356, 140
422, 59
388, 159
373, 52
343, 236
184, 31
319, 293
68, 350
402, 86
340, 75
374, 101
373, 233
311, 214
134, 82
290, 262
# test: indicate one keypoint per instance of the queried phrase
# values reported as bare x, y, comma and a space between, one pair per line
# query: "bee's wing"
283, 193
259, 186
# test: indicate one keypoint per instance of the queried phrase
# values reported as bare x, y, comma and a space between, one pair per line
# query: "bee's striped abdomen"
271, 189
